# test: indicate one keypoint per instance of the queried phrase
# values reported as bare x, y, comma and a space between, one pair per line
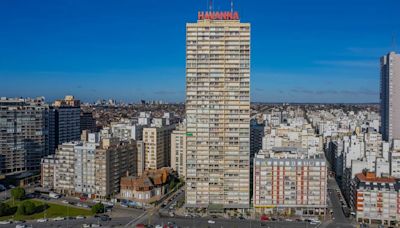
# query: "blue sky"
302, 50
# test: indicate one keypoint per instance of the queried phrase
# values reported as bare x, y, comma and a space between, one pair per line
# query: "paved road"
178, 197
229, 223
339, 221
147, 216
119, 222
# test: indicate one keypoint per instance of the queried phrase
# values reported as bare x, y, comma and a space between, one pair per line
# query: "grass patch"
54, 210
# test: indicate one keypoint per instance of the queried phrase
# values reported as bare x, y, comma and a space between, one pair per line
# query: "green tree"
18, 193
4, 209
30, 207
172, 184
98, 208
21, 209
26, 208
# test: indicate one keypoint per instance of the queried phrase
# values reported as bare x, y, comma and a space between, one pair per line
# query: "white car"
58, 219
211, 222
5, 222
64, 201
85, 225
108, 203
80, 217
23, 226
95, 225
42, 220
315, 222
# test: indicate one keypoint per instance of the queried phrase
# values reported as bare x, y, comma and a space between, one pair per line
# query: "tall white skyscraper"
218, 111
390, 96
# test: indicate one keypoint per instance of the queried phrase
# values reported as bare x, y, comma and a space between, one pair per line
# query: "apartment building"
65, 168
127, 129
48, 167
23, 134
64, 122
85, 167
290, 181
218, 111
157, 146
178, 150
376, 199
93, 167
114, 160
88, 122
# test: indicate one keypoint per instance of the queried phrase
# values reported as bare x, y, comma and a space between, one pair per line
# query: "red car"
264, 218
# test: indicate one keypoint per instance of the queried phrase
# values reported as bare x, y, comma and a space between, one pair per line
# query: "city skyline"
97, 51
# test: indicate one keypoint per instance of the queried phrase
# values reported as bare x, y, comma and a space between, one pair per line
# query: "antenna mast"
231, 6
394, 43
211, 5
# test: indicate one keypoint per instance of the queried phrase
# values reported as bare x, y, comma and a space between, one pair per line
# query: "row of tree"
25, 208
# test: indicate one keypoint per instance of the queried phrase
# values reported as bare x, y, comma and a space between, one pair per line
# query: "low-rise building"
149, 187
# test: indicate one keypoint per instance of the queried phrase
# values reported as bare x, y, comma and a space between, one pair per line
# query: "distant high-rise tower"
390, 96
65, 122
218, 111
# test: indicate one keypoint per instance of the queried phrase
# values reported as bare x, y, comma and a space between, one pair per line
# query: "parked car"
42, 220
54, 195
211, 222
23, 226
59, 219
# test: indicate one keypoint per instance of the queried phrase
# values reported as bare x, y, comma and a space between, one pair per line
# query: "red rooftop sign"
218, 15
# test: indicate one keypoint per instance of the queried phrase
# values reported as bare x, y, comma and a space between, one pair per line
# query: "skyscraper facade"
218, 111
65, 122
390, 96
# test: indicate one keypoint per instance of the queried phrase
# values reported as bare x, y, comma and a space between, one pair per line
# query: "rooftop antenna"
231, 6
211, 5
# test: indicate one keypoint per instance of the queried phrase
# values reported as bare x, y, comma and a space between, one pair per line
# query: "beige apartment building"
218, 111
65, 168
114, 159
156, 147
178, 150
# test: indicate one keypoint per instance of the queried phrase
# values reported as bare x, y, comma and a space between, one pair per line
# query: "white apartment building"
395, 159
375, 199
126, 129
302, 136
85, 167
218, 111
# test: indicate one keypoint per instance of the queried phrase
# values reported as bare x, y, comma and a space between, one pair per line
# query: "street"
339, 221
